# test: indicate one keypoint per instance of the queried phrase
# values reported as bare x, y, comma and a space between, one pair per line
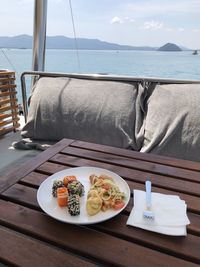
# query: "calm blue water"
178, 65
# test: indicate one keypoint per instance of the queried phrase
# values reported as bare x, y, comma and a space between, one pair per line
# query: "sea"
158, 64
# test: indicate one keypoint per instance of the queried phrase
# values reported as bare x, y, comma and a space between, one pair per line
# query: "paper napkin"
170, 214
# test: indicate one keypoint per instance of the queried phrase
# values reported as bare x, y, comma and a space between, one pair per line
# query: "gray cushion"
172, 126
89, 110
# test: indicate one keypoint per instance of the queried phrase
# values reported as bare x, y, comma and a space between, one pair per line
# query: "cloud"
181, 29
129, 19
118, 20
169, 29
115, 20
152, 25
196, 30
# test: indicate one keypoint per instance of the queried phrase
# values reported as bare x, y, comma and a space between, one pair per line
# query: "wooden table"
29, 237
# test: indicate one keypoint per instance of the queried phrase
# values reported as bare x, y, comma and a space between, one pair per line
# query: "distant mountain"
20, 41
62, 42
170, 47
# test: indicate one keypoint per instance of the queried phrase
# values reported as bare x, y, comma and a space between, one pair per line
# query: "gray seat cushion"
172, 126
89, 110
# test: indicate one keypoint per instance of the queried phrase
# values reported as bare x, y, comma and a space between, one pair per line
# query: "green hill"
170, 47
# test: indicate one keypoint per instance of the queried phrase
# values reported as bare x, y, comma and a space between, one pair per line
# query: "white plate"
49, 204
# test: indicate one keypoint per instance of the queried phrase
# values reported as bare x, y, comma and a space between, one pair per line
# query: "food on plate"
68, 179
62, 196
74, 205
75, 187
104, 194
68, 192
93, 178
56, 185
94, 203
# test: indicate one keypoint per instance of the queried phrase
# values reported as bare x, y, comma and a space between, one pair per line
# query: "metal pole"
39, 37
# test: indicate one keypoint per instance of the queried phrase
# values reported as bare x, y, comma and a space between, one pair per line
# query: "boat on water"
12, 156
195, 52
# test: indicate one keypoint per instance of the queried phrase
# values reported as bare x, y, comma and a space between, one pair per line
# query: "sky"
131, 22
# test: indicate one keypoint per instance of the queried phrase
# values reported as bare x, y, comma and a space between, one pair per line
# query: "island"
169, 47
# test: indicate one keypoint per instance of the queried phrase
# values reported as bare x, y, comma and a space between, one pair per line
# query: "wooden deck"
8, 103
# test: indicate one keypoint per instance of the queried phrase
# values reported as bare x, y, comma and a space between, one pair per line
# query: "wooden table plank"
169, 161
35, 253
101, 247
49, 167
166, 182
27, 197
170, 244
34, 179
137, 164
193, 202
22, 194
